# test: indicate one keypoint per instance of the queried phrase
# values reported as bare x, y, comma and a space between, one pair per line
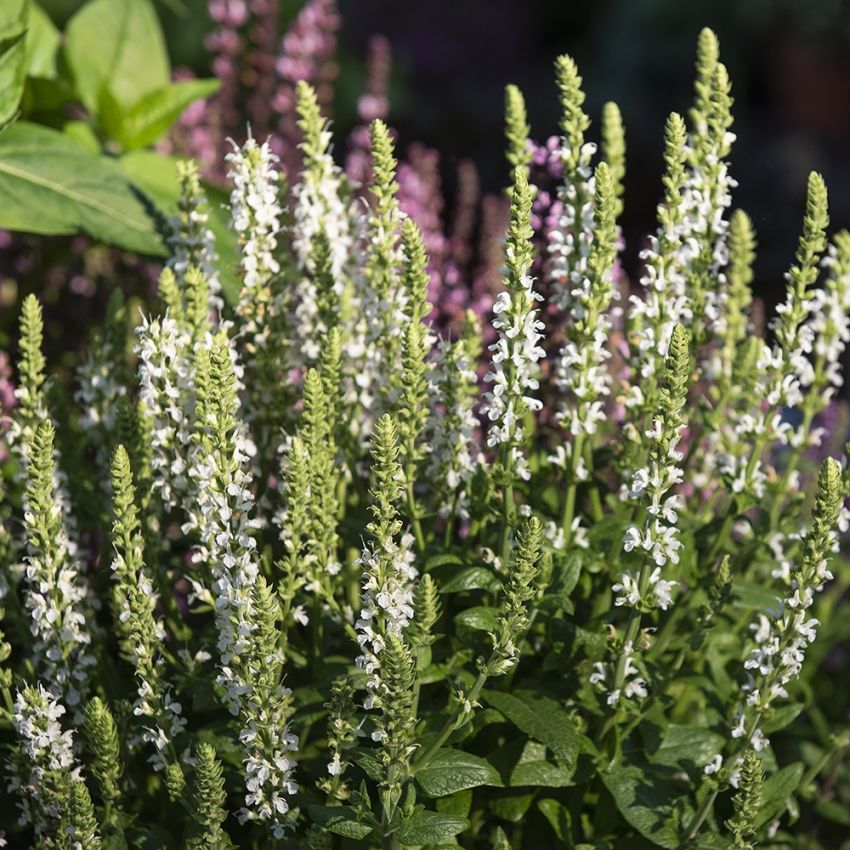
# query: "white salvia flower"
44, 760
633, 685
714, 765
782, 637
99, 392
517, 351
830, 321
452, 427
570, 241
387, 604
664, 301
388, 567
142, 633
320, 208
255, 214
581, 373
54, 593
224, 523
189, 239
166, 388
378, 288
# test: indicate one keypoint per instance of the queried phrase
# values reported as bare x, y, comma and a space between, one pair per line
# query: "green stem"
508, 507
724, 532
699, 816
412, 510
448, 727
572, 486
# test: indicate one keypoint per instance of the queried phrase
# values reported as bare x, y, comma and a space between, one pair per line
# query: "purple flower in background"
373, 103
420, 196
307, 52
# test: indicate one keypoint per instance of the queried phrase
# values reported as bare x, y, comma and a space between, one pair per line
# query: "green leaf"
757, 597
340, 820
687, 745
558, 816
430, 828
444, 559
478, 618
472, 578
457, 804
452, 770
777, 791
42, 44
156, 176
511, 805
50, 184
116, 46
534, 769
645, 801
152, 116
14, 17
541, 718
779, 718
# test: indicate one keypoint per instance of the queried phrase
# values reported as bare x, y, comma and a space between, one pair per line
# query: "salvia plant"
294, 570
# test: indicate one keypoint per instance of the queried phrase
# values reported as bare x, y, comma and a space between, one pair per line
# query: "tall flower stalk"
515, 355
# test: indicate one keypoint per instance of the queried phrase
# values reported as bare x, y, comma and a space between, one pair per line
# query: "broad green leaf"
777, 790
558, 816
156, 176
42, 44
541, 718
430, 828
457, 804
116, 46
781, 717
834, 810
452, 770
478, 618
14, 17
534, 769
687, 745
750, 594
646, 802
442, 560
50, 184
472, 578
152, 116
510, 805
340, 820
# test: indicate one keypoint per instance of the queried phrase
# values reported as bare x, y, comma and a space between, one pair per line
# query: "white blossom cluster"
190, 241
318, 207
581, 371
44, 758
55, 597
706, 197
228, 550
255, 214
166, 388
830, 320
514, 375
785, 371
452, 428
98, 394
570, 240
634, 685
783, 636
387, 607
664, 304
162, 715
650, 486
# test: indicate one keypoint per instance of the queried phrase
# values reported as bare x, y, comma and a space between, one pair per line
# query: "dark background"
789, 61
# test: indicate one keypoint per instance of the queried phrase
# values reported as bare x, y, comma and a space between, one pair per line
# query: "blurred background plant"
444, 67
